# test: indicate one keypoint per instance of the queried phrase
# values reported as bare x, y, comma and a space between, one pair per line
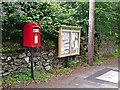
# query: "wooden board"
69, 41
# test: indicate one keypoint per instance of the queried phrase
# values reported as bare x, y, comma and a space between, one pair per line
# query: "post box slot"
36, 30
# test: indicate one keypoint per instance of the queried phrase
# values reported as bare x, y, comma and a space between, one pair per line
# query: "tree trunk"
91, 32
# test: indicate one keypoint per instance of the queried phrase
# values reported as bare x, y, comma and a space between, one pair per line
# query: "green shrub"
98, 60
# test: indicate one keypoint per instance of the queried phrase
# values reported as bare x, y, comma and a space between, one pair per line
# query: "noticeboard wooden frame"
70, 30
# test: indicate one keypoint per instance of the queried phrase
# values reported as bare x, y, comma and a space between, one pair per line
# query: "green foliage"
98, 61
10, 47
25, 77
72, 62
106, 17
51, 44
117, 52
52, 15
60, 71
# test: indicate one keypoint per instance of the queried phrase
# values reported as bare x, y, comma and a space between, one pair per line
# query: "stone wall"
43, 60
107, 48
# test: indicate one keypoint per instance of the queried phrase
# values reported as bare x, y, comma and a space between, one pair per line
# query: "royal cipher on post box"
31, 35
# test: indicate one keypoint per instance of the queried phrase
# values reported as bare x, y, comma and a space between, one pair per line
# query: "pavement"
84, 77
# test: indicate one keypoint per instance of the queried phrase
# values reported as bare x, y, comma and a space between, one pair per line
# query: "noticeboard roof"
65, 27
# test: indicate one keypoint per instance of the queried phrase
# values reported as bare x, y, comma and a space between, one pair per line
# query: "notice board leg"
66, 62
32, 72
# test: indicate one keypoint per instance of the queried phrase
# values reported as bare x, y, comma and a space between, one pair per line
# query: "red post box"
31, 35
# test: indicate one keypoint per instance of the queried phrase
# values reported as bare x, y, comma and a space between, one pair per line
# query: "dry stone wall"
44, 60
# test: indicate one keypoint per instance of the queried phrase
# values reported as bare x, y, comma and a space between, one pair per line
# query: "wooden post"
66, 62
91, 32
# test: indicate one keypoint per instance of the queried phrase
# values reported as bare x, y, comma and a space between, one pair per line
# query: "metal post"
32, 72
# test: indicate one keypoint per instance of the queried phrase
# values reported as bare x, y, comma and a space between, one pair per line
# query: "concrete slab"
105, 76
110, 76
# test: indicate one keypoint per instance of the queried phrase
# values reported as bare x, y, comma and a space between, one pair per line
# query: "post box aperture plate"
36, 30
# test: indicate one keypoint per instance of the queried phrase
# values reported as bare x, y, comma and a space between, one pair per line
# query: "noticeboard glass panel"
65, 43
75, 42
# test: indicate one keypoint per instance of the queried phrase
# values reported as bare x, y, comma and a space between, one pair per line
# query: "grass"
98, 61
117, 51
0, 82
75, 63
60, 71
25, 77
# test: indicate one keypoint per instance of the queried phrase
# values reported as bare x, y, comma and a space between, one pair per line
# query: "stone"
14, 57
0, 63
9, 59
19, 62
11, 70
23, 66
39, 63
39, 58
22, 55
28, 54
42, 60
39, 67
50, 54
11, 63
5, 74
48, 61
3, 64
3, 57
36, 54
44, 53
46, 57
27, 59
46, 64
29, 65
1, 71
14, 67
59, 65
47, 68
7, 68
35, 59
20, 70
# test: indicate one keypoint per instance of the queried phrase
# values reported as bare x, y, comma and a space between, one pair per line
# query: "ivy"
52, 15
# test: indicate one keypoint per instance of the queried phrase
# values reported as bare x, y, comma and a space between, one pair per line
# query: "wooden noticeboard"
69, 41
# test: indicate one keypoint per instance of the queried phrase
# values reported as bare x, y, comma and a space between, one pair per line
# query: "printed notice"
75, 40
65, 43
